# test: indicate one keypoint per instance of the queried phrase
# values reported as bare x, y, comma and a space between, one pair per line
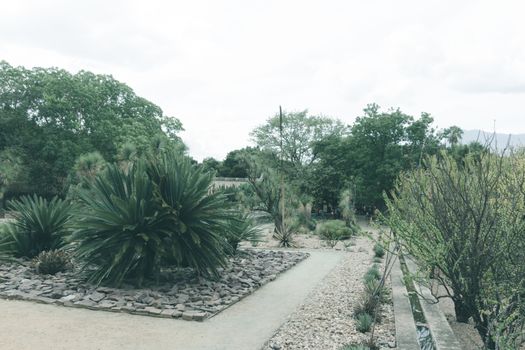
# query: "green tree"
52, 116
300, 132
235, 165
453, 135
211, 164
382, 145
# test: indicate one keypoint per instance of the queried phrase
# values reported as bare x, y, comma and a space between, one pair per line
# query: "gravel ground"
325, 319
302, 241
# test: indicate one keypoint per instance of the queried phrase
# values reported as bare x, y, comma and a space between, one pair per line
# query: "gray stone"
193, 316
182, 298
167, 313
152, 310
96, 296
88, 304
106, 304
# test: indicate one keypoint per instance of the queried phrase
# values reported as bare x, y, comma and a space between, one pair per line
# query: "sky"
225, 67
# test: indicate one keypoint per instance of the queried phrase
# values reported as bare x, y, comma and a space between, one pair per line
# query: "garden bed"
326, 318
180, 294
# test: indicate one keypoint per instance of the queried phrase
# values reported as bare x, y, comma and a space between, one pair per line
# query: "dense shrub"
157, 213
464, 220
332, 231
51, 262
39, 225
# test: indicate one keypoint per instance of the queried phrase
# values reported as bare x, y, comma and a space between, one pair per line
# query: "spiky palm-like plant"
243, 228
157, 213
39, 225
200, 220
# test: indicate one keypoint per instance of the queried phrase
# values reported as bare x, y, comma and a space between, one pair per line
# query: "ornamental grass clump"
364, 322
158, 212
373, 274
39, 225
379, 250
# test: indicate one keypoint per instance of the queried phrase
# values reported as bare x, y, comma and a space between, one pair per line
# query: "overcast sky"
224, 67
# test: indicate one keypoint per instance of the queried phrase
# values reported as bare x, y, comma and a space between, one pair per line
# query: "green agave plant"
155, 214
39, 225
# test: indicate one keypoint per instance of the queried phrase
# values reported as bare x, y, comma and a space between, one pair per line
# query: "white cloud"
223, 67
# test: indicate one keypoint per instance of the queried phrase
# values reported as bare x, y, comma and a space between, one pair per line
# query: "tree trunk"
462, 311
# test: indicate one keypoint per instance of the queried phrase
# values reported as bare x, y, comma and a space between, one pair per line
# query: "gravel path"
325, 320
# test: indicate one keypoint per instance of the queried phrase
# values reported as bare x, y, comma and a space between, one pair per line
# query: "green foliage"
355, 347
50, 117
453, 135
210, 164
464, 221
367, 304
332, 231
51, 262
346, 206
39, 225
372, 274
285, 236
12, 171
88, 165
235, 164
364, 322
367, 162
158, 213
379, 251
375, 289
243, 228
299, 132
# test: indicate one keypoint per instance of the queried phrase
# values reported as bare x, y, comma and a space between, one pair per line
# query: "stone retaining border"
189, 298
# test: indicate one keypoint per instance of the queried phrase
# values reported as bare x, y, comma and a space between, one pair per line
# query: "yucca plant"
285, 236
39, 225
243, 228
156, 213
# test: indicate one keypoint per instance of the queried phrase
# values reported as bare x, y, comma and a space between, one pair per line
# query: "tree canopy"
49, 117
300, 132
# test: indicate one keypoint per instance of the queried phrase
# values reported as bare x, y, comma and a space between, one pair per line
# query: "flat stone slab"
444, 337
406, 338
245, 325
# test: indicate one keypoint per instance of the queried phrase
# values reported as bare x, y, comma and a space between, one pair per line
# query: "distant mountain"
516, 140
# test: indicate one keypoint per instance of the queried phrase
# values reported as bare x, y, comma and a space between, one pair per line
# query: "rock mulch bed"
325, 320
183, 294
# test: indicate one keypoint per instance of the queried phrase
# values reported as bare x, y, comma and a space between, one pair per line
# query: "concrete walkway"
246, 325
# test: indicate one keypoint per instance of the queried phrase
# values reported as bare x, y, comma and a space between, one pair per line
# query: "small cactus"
51, 262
